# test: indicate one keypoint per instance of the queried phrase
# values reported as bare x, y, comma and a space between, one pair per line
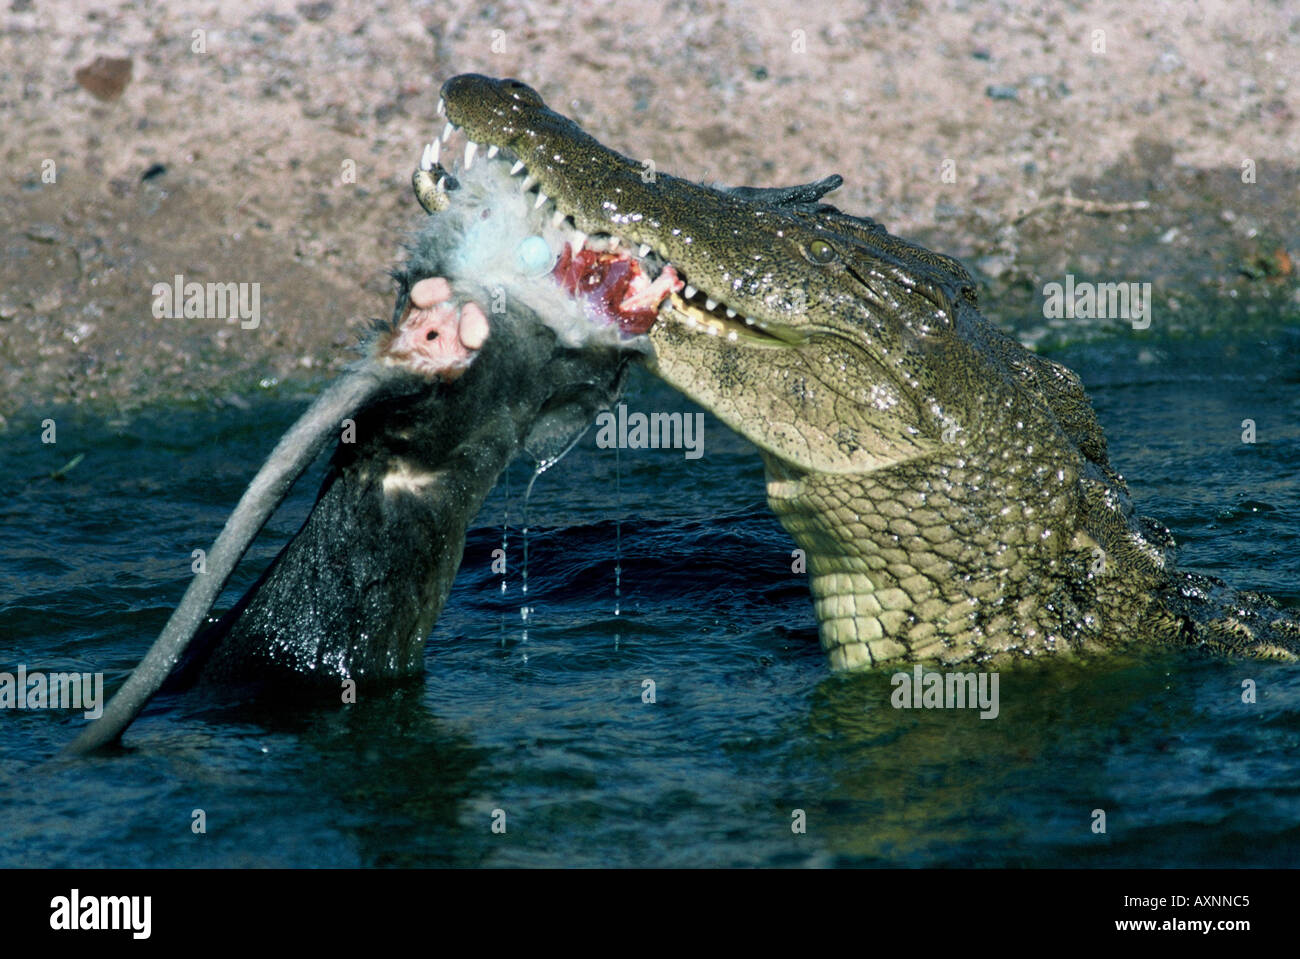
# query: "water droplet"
618, 535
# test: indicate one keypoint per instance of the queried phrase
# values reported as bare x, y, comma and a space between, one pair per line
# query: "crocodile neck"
897, 574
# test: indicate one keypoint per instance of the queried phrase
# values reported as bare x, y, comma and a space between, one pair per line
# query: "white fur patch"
402, 479
481, 233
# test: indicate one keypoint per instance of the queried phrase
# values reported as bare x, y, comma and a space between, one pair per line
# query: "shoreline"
281, 154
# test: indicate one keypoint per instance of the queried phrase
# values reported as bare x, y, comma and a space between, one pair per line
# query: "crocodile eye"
819, 251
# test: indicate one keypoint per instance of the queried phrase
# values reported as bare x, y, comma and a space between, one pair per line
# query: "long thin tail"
291, 456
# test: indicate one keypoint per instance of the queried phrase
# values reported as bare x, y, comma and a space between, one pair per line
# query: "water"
618, 537
747, 725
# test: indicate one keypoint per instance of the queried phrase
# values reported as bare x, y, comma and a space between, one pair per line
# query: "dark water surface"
748, 726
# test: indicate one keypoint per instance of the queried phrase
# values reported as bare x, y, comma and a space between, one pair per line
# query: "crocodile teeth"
709, 304
579, 240
689, 292
442, 106
541, 198
447, 131
493, 149
530, 181
471, 148
731, 314
557, 218
429, 158
442, 184
645, 249
519, 165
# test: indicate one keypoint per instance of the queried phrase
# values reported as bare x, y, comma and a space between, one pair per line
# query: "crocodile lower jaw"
694, 317
669, 290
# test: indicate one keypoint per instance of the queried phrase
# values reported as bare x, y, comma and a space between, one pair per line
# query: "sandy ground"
228, 154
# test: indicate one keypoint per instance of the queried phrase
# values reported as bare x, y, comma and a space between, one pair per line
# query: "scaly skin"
950, 488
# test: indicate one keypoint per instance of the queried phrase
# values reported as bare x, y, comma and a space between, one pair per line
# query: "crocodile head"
949, 488
769, 286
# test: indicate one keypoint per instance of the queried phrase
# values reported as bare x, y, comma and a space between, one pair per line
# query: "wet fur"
356, 592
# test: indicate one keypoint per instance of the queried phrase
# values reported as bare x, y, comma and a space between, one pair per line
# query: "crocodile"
951, 489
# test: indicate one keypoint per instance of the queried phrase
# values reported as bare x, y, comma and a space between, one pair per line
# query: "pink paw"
435, 337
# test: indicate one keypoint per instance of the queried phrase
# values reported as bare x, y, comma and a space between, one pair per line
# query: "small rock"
105, 77
48, 303
80, 332
43, 233
1001, 91
315, 12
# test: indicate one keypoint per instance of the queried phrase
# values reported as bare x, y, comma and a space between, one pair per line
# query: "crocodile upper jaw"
642, 239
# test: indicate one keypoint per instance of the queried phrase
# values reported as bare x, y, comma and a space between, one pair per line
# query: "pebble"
104, 78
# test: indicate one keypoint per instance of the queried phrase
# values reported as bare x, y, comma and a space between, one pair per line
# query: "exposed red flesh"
614, 287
